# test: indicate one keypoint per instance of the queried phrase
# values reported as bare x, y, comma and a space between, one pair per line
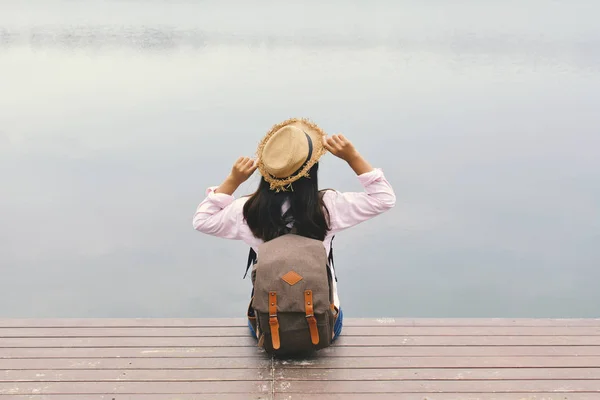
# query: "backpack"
292, 309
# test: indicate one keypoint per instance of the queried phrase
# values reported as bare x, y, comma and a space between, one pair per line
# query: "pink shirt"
221, 215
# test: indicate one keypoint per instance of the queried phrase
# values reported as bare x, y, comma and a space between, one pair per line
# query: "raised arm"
351, 208
219, 214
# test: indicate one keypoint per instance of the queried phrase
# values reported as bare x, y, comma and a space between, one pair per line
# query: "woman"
288, 195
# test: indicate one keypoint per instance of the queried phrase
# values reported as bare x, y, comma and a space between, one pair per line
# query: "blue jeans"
337, 328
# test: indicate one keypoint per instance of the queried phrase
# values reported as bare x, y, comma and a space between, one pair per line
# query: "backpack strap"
251, 260
273, 321
310, 317
330, 259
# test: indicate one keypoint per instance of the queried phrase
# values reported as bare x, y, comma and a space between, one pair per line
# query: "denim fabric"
339, 322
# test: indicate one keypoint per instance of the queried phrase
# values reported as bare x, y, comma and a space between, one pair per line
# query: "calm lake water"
116, 115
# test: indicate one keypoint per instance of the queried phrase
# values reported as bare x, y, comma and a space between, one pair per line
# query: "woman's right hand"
243, 168
340, 147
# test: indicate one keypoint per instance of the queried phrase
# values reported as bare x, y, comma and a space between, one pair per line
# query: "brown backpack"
292, 308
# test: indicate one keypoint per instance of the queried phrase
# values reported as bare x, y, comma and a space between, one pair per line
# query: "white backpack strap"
330, 258
251, 260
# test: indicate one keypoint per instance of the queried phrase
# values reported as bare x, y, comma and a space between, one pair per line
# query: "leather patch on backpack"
291, 278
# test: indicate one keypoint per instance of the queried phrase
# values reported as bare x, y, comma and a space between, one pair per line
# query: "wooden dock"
216, 359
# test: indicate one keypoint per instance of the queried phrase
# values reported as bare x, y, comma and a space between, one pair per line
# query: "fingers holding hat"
243, 168
248, 165
339, 146
330, 144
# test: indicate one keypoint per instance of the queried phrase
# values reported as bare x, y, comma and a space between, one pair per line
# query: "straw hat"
288, 152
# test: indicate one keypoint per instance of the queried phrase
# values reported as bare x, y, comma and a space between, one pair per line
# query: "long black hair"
307, 212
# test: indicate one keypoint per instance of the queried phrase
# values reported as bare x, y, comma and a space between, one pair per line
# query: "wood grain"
239, 322
95, 342
379, 359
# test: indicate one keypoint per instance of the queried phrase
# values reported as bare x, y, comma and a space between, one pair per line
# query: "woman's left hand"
243, 168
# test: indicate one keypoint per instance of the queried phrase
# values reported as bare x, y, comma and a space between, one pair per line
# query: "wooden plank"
430, 396
334, 351
134, 375
453, 351
468, 341
211, 331
397, 374
320, 396
556, 386
134, 387
442, 362
241, 322
129, 342
134, 363
469, 331
199, 396
121, 322
148, 352
298, 374
327, 362
342, 341
439, 322
347, 331
304, 387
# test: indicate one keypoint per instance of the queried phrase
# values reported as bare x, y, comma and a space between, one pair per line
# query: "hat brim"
316, 135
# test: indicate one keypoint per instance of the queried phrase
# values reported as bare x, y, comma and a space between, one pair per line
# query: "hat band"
310, 151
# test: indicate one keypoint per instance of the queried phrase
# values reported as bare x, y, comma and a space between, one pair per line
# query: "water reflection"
116, 117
